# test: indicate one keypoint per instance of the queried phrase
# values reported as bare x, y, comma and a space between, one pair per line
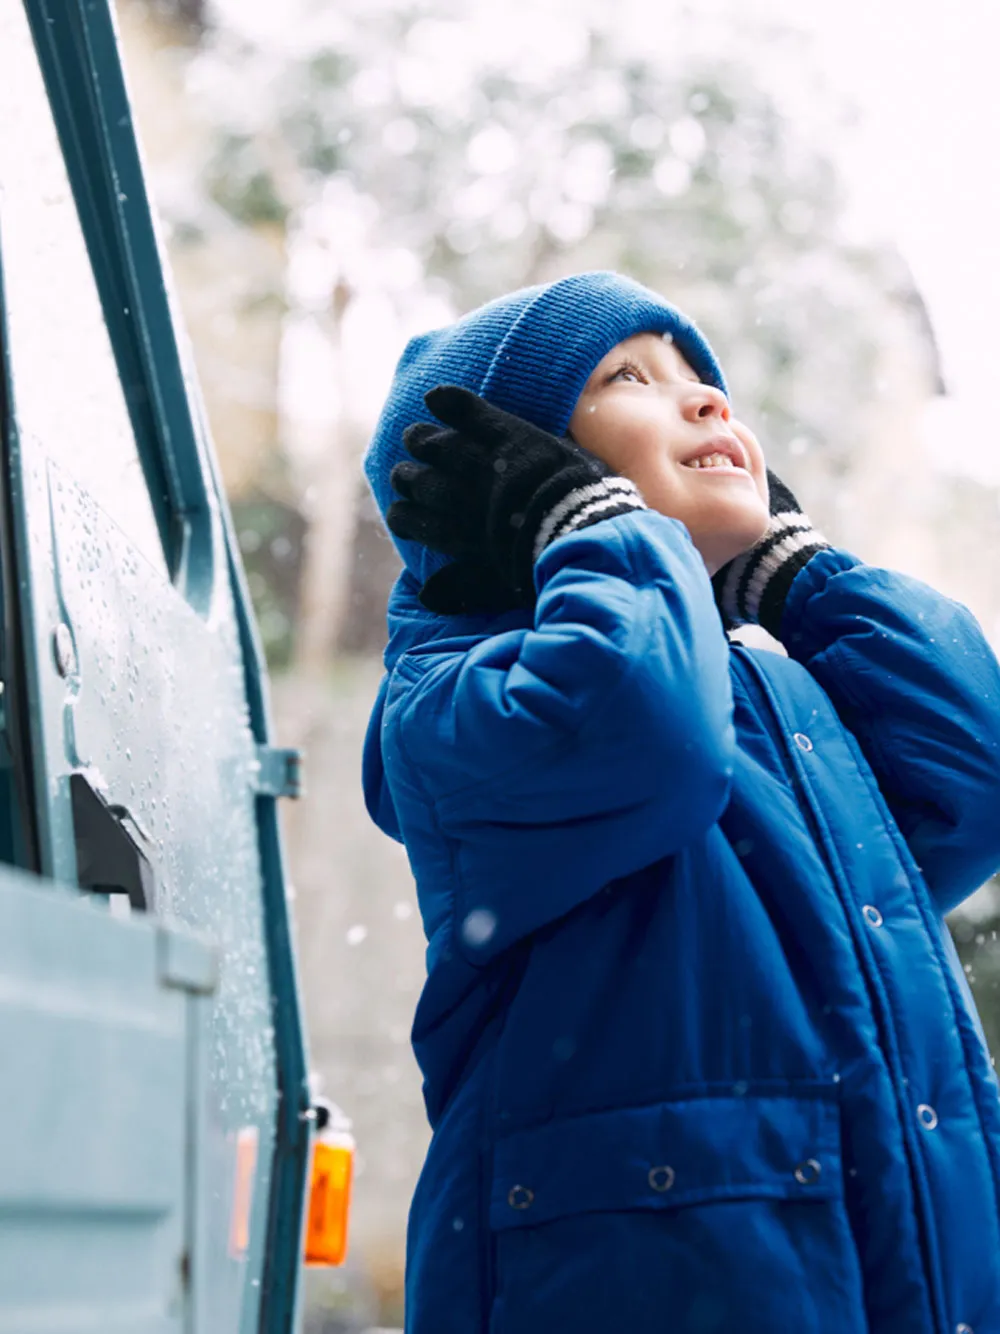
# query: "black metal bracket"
108, 859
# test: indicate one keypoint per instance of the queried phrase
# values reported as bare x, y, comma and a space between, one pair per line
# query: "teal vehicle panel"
138, 667
155, 715
101, 1040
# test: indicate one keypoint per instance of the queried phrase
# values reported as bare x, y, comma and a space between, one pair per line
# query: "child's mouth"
715, 463
724, 453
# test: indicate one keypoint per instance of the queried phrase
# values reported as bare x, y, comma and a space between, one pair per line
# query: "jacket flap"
669, 1154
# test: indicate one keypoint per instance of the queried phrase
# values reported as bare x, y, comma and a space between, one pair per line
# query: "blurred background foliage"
350, 174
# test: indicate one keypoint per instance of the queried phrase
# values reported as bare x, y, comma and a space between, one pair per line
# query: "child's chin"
738, 535
745, 519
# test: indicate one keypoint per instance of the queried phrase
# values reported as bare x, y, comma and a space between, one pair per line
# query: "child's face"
644, 412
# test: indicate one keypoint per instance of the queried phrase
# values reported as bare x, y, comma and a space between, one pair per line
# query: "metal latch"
108, 859
279, 772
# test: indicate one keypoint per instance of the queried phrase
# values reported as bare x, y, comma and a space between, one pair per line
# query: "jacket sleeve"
912, 675
558, 758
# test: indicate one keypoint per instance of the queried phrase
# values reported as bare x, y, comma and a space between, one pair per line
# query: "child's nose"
707, 401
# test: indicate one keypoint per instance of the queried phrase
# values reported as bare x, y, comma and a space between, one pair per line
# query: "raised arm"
559, 758
910, 673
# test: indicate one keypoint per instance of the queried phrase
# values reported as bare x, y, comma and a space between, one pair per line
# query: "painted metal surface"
100, 1059
143, 670
156, 717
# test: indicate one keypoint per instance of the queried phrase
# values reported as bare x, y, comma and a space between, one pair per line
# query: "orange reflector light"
329, 1199
243, 1179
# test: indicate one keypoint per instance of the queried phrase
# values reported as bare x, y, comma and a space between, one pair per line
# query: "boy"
698, 1054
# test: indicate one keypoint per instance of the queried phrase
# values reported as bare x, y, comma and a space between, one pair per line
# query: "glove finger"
472, 415
435, 490
780, 499
431, 528
420, 434
448, 450
466, 587
405, 477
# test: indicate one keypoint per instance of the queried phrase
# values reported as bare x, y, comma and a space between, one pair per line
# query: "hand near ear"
492, 491
753, 586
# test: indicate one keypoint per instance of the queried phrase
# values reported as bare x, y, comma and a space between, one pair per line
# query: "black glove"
753, 586
492, 491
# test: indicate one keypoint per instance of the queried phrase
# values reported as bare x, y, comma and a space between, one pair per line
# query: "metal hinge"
187, 961
279, 772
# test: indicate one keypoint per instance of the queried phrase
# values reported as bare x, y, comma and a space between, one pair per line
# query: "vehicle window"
68, 399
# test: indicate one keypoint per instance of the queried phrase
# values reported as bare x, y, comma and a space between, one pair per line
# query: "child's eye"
629, 371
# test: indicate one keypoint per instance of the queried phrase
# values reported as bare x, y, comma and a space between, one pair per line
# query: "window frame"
77, 49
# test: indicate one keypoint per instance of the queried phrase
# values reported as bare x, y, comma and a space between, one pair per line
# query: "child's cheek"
598, 430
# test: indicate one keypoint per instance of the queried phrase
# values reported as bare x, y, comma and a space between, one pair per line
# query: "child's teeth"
712, 461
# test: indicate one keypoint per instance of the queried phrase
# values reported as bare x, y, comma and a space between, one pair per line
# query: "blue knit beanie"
531, 353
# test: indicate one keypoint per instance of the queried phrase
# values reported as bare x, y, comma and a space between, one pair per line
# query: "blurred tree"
976, 930
189, 16
491, 174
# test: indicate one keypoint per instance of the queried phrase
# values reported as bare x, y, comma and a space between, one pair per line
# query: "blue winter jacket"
699, 1057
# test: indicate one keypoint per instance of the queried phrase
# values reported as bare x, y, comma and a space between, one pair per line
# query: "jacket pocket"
708, 1215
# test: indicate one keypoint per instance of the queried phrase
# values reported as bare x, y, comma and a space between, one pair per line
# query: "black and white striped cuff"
585, 505
756, 584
